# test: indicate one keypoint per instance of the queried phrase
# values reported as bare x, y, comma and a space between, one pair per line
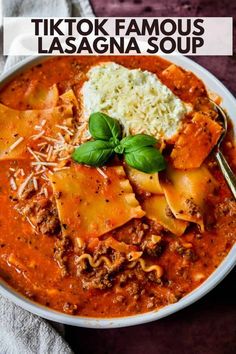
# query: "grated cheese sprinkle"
102, 172
50, 151
60, 168
35, 182
37, 136
24, 184
13, 184
30, 222
45, 191
65, 128
33, 154
16, 143
22, 172
44, 163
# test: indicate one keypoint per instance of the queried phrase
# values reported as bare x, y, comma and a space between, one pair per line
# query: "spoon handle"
227, 172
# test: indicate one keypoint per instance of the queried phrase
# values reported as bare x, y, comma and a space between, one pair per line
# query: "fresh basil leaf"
115, 142
93, 153
134, 142
103, 127
119, 149
146, 159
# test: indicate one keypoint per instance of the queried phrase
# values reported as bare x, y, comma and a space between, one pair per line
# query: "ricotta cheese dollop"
136, 98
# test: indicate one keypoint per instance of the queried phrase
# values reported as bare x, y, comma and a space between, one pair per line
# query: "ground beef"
226, 208
133, 232
100, 279
155, 250
42, 212
119, 299
29, 191
152, 276
125, 277
62, 246
47, 219
193, 208
69, 308
187, 253
225, 213
150, 248
134, 289
100, 249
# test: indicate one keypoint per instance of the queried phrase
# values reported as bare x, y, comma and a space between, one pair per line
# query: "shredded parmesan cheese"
45, 191
22, 172
43, 163
40, 154
60, 168
50, 151
30, 222
45, 177
33, 154
18, 172
64, 158
61, 137
102, 172
39, 173
24, 184
16, 143
65, 128
35, 182
49, 138
42, 144
13, 184
37, 136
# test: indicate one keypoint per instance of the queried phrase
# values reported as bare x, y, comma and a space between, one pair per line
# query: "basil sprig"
103, 127
94, 153
146, 159
132, 143
138, 150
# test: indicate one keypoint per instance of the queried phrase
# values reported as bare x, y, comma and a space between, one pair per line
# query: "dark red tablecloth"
209, 326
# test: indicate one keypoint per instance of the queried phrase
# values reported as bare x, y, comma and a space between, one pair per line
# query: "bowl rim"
229, 103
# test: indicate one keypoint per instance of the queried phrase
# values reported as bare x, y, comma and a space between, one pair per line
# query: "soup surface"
108, 241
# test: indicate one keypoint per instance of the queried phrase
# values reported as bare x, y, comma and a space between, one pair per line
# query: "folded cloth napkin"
20, 331
24, 333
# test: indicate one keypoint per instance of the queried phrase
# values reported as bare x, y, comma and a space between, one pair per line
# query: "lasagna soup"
113, 238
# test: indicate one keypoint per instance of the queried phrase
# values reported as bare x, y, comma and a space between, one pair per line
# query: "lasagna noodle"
41, 97
109, 265
18, 127
144, 181
147, 268
89, 204
204, 133
188, 86
186, 192
157, 209
94, 264
69, 98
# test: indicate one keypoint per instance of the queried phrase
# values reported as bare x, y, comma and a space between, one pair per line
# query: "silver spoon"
221, 160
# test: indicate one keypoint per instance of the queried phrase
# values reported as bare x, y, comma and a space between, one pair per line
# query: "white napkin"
24, 333
20, 331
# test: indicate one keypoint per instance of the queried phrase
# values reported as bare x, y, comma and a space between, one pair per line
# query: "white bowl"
229, 103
